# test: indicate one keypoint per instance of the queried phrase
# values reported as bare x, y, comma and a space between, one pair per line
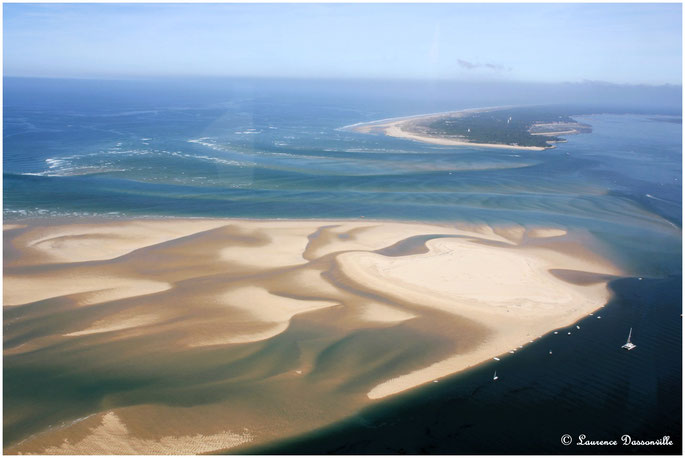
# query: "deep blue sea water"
275, 149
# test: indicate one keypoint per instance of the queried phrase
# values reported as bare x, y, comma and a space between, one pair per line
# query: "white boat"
550, 352
577, 327
496, 358
629, 345
494, 377
556, 332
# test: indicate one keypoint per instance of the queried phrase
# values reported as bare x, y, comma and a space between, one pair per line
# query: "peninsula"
530, 128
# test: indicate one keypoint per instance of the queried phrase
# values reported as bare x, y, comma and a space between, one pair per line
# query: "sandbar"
215, 335
404, 128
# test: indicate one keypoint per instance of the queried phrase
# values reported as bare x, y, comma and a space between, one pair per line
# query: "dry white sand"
511, 291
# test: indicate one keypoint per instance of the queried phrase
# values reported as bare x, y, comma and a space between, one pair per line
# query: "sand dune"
91, 289
271, 311
191, 336
285, 247
115, 324
90, 242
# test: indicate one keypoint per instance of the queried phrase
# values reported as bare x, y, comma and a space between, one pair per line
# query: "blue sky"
618, 43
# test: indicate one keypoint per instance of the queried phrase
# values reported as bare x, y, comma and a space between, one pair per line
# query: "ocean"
241, 148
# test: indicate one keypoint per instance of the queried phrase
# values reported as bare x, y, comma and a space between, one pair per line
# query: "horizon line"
340, 79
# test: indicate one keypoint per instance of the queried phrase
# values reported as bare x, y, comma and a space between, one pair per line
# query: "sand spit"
544, 233
401, 129
90, 242
404, 128
193, 336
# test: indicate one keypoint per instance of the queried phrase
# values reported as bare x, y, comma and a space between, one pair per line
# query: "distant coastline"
495, 129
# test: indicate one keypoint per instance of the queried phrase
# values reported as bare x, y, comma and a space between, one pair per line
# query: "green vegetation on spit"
521, 126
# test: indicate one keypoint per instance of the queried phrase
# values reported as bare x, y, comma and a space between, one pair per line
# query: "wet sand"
190, 336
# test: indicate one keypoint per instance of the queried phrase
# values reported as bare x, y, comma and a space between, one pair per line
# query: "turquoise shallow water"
276, 150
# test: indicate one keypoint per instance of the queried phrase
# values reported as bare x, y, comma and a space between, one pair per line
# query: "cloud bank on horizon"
618, 43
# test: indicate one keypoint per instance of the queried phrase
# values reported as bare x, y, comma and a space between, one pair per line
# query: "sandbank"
233, 333
401, 128
112, 437
398, 129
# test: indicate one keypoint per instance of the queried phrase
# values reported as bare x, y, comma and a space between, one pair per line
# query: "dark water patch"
412, 245
417, 244
37, 397
316, 239
65, 382
370, 356
578, 277
671, 119
494, 243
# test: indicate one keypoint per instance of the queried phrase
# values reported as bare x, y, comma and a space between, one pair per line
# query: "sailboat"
494, 377
629, 345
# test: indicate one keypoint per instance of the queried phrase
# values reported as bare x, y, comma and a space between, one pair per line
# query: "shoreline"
425, 115
465, 293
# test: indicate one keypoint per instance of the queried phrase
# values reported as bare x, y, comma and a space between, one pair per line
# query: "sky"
616, 43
